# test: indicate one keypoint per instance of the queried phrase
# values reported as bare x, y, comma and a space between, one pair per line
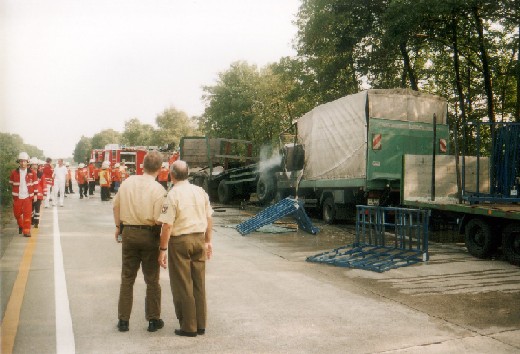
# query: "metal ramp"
386, 238
285, 207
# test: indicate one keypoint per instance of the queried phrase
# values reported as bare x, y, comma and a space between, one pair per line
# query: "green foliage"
107, 136
172, 126
11, 145
229, 110
138, 134
83, 149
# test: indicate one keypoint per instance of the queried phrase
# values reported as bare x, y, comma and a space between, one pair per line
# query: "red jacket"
41, 187
163, 174
116, 174
81, 175
48, 172
31, 179
91, 177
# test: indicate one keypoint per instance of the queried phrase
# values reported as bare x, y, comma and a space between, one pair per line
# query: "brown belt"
143, 227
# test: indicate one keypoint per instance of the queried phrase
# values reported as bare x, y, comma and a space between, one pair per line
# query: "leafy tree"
229, 103
83, 149
172, 126
107, 136
138, 134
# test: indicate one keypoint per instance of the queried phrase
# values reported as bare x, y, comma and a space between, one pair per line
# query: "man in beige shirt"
137, 206
186, 235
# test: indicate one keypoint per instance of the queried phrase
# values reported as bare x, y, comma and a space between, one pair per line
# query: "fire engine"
132, 156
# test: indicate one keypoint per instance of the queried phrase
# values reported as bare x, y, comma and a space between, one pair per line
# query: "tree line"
464, 50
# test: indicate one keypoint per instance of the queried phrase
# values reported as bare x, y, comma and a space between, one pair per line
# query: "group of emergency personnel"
34, 180
31, 184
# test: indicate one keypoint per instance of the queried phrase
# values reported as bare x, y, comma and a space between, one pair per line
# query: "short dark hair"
152, 161
179, 169
48, 160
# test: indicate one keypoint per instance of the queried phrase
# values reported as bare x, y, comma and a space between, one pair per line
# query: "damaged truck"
227, 169
349, 151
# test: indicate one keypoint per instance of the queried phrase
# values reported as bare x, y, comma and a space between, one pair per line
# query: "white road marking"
64, 334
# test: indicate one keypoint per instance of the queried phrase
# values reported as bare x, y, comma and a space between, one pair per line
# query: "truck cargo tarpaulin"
323, 131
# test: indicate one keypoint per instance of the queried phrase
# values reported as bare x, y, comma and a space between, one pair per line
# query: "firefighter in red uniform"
116, 178
40, 189
164, 174
105, 181
91, 178
81, 178
23, 181
48, 172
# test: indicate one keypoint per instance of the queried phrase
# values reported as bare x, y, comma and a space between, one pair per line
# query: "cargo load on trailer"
479, 194
349, 151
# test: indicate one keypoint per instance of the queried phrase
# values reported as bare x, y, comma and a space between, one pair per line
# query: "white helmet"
33, 161
67, 164
105, 164
92, 161
165, 164
23, 156
81, 165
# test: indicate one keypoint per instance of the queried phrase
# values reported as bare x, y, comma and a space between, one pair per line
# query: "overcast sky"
73, 68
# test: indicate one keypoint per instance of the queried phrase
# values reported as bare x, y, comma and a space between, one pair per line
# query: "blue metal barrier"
386, 238
285, 207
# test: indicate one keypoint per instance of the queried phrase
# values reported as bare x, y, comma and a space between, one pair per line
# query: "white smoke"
268, 158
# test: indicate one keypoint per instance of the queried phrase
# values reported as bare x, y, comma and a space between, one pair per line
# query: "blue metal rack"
285, 207
386, 238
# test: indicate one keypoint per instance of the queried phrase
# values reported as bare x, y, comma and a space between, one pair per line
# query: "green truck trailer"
349, 151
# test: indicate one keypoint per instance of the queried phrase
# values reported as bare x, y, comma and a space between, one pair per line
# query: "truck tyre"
225, 192
511, 243
329, 210
479, 238
265, 189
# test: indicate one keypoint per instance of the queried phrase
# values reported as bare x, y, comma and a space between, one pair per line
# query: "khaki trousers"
187, 265
140, 247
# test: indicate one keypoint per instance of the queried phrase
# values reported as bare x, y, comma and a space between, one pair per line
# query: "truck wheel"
329, 210
511, 243
479, 239
225, 192
212, 193
265, 189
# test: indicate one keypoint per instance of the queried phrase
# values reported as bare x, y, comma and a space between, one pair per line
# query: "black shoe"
201, 331
80, 197
122, 326
19, 231
26, 235
180, 332
154, 325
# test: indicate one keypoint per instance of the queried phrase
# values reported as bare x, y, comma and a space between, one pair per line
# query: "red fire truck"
132, 156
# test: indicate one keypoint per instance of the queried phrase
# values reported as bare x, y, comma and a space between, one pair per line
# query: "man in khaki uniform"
186, 217
137, 207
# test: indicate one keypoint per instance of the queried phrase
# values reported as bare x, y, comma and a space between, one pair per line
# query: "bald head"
179, 170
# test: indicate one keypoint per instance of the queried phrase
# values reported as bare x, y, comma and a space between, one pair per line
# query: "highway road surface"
59, 294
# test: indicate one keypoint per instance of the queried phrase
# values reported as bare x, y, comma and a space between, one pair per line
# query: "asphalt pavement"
59, 293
